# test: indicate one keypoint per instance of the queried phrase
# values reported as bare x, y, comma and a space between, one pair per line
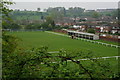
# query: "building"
89, 11
105, 10
83, 35
107, 29
115, 30
64, 21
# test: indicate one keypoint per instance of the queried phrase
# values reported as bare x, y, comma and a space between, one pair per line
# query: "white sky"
66, 0
43, 4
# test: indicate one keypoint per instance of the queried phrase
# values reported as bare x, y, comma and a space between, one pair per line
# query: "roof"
81, 33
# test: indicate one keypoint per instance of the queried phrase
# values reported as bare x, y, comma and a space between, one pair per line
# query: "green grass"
28, 17
109, 42
57, 42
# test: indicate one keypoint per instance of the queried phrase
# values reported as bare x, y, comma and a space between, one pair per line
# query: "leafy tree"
12, 25
115, 13
7, 22
5, 11
38, 63
57, 13
35, 63
76, 11
95, 15
38, 9
91, 30
32, 26
50, 23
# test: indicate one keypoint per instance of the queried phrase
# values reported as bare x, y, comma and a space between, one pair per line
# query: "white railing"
116, 57
106, 44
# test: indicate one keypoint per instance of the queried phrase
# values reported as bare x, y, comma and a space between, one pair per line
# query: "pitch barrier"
104, 58
110, 45
92, 58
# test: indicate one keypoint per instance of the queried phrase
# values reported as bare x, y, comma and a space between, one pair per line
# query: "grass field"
109, 42
103, 41
57, 42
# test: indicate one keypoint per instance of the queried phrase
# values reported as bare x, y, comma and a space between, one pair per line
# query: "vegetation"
11, 25
57, 42
95, 15
38, 63
91, 30
58, 13
109, 42
19, 62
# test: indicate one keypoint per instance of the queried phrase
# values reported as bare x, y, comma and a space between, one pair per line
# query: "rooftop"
81, 32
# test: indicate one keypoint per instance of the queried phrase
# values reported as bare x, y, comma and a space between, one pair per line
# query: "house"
64, 22
108, 37
103, 29
89, 11
115, 30
105, 10
83, 28
106, 18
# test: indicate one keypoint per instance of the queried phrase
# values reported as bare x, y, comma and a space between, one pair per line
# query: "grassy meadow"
56, 42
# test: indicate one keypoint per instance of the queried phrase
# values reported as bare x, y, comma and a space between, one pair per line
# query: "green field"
57, 42
108, 42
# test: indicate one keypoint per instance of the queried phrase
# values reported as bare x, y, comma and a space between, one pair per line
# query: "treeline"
48, 24
24, 15
59, 12
46, 20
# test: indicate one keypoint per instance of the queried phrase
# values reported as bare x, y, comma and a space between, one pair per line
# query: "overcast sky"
87, 4
66, 0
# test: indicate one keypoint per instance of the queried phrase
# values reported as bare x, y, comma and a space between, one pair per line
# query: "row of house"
72, 21
101, 10
98, 29
107, 29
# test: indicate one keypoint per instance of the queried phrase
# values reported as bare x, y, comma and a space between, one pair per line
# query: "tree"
38, 9
50, 23
33, 26
19, 63
7, 22
12, 25
75, 11
91, 30
115, 13
56, 13
5, 10
95, 15
38, 63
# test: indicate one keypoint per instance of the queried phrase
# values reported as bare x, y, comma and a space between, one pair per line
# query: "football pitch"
57, 42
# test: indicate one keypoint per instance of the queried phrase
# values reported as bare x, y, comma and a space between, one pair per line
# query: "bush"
91, 31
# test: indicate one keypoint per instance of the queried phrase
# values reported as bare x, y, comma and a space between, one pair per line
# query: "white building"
83, 35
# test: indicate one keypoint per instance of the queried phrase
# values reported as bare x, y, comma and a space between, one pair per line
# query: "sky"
43, 4
65, 0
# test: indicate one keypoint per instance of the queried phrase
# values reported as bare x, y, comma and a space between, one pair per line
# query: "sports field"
57, 42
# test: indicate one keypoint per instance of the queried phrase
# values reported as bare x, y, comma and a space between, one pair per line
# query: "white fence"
104, 58
116, 57
92, 58
110, 45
